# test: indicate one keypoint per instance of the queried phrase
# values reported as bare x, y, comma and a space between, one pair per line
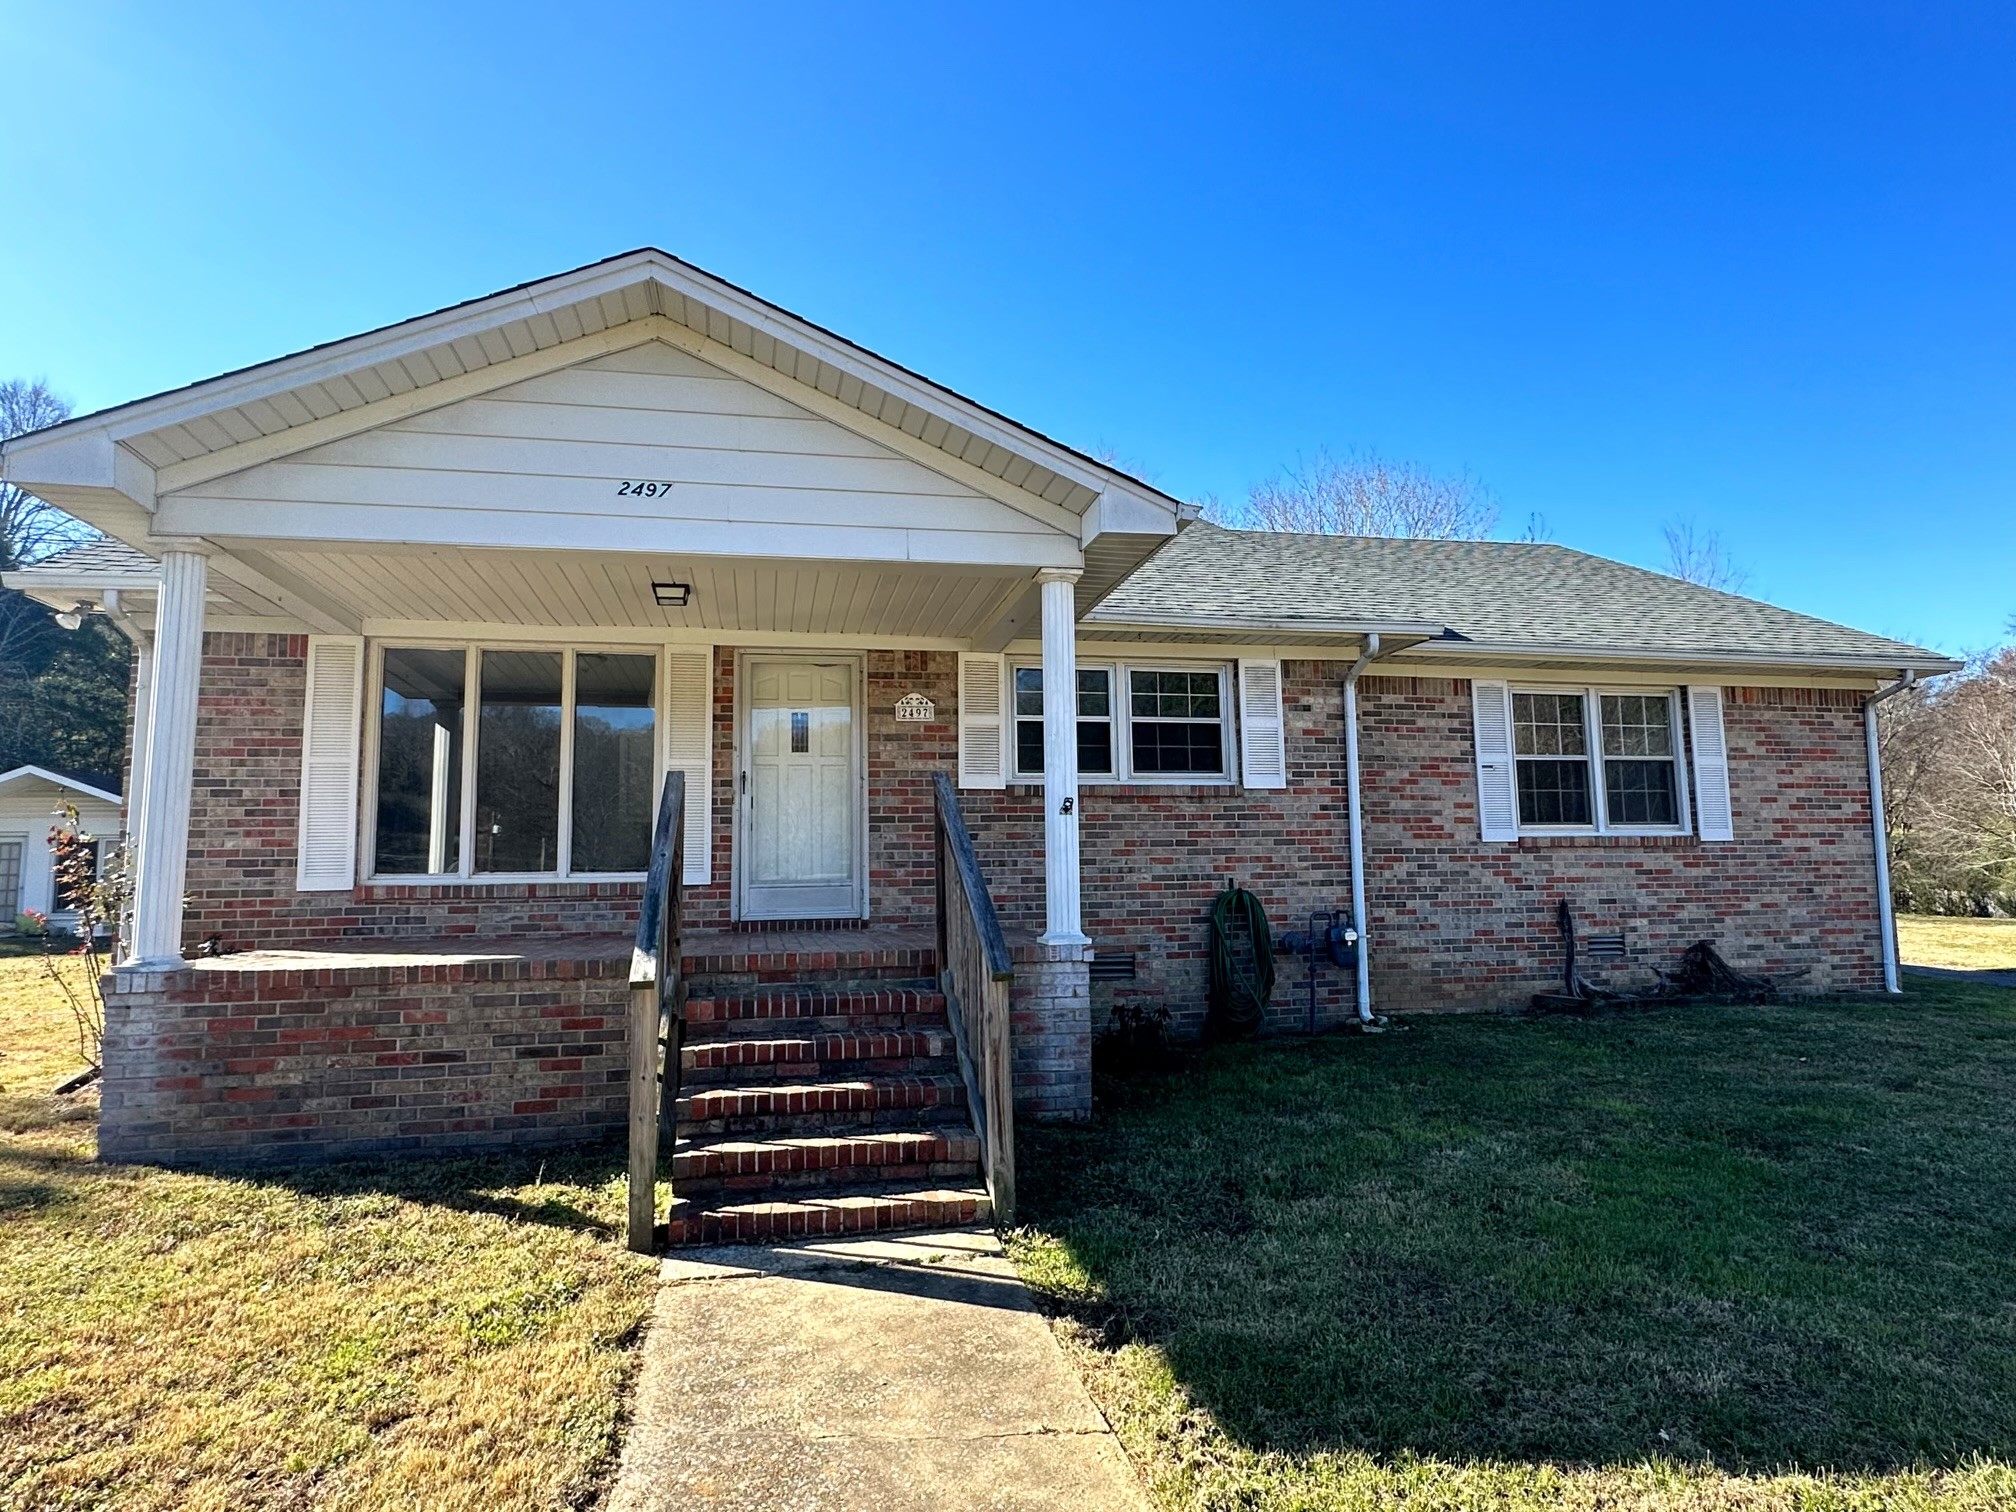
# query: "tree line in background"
62, 692
1949, 788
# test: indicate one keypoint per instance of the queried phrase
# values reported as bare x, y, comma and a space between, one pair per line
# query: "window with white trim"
508, 761
1167, 722
1628, 779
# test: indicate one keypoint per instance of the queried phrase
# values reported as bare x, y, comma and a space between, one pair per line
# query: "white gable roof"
110, 467
27, 774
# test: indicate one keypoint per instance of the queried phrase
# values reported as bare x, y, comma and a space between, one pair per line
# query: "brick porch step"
710, 1011
871, 1155
693, 1222
772, 1107
779, 1054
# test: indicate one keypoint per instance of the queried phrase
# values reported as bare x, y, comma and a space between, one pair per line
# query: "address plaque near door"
915, 708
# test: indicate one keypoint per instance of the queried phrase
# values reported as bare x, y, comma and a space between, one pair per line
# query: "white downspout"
143, 698
1886, 911
1357, 827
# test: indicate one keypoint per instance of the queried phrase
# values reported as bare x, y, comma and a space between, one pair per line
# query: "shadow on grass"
1754, 1237
550, 1187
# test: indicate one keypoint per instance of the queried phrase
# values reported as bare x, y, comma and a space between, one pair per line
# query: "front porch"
400, 1046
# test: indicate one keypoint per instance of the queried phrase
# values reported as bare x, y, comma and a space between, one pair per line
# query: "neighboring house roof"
1486, 597
96, 560
90, 787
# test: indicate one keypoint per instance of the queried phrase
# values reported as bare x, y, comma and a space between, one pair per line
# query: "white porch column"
1060, 760
162, 831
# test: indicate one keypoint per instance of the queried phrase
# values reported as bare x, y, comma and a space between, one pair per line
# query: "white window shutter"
1497, 792
1714, 819
1263, 736
326, 858
983, 722
689, 748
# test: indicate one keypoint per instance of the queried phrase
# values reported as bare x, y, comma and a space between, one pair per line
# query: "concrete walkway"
862, 1375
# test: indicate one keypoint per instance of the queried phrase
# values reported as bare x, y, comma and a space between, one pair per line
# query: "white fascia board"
879, 372
318, 364
86, 463
1414, 631
1124, 511
1925, 663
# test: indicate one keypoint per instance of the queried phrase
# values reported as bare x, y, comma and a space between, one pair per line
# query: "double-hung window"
1135, 723
1626, 777
509, 762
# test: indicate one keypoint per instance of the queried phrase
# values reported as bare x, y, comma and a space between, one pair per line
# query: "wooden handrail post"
656, 991
975, 972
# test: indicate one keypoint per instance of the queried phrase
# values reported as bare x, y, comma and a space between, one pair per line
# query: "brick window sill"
1609, 842
383, 892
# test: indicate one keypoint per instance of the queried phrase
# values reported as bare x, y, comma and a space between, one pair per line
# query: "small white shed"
28, 799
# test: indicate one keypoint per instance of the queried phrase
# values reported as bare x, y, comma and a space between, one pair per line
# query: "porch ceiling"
730, 595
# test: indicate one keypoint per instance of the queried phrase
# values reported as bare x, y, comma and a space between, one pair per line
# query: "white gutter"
1886, 911
1357, 826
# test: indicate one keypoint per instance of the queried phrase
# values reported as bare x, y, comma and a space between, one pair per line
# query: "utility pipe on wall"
1886, 911
1357, 826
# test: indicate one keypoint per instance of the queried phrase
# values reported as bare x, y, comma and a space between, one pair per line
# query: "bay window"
496, 761
1135, 723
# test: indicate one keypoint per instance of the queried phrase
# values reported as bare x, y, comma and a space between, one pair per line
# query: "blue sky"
1749, 264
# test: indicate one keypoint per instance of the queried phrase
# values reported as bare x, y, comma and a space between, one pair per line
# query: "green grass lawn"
1693, 1257
1962, 944
437, 1334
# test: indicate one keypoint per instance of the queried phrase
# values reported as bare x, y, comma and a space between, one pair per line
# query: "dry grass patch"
420, 1333
1962, 944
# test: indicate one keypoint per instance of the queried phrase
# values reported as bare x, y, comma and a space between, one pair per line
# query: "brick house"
423, 615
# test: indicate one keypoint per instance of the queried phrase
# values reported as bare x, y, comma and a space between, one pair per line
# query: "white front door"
800, 856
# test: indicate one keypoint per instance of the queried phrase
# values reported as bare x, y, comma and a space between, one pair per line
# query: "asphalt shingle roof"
1505, 595
102, 555
1501, 594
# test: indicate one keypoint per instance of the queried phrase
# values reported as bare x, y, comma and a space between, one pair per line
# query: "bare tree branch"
1696, 556
1364, 494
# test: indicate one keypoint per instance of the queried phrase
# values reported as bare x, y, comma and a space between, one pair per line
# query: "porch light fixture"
672, 595
73, 617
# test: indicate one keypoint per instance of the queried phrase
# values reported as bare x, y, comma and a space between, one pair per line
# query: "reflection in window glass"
1641, 777
1551, 744
614, 762
518, 762
1095, 721
1176, 722
419, 821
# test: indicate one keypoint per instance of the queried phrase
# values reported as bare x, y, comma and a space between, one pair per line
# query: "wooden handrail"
975, 972
657, 1012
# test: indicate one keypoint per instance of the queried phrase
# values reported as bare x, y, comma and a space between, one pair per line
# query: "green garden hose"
1242, 964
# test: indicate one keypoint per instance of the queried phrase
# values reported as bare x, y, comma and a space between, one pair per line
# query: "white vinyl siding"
530, 464
326, 856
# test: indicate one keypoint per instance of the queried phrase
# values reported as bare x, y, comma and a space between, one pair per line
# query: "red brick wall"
1461, 923
1456, 923
219, 1064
